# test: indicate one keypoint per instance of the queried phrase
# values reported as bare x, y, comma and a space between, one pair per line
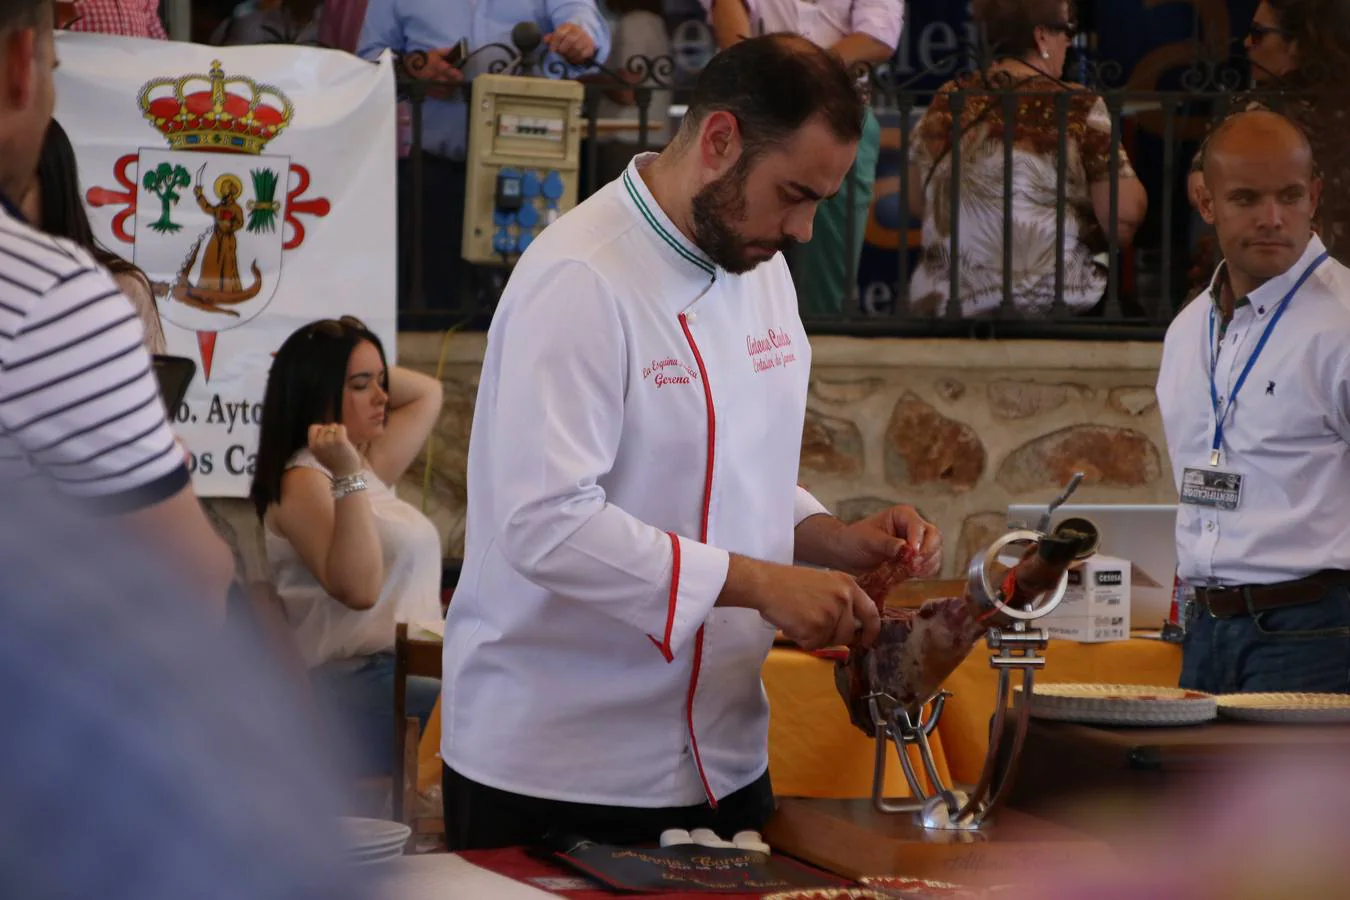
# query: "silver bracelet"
348, 484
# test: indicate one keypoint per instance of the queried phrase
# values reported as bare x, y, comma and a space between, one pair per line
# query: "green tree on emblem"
161, 182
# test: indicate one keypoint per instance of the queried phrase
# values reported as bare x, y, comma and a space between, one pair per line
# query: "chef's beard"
716, 209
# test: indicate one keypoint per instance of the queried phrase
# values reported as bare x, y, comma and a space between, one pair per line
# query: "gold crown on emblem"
212, 112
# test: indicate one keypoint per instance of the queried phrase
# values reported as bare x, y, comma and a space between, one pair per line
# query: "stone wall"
960, 429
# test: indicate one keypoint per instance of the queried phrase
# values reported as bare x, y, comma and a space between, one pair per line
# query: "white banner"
255, 187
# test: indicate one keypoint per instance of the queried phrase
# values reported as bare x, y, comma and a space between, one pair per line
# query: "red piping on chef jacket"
703, 537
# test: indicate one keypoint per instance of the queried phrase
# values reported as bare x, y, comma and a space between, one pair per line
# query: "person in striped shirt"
80, 408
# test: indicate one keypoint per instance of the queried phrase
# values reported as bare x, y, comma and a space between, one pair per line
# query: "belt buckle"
1209, 606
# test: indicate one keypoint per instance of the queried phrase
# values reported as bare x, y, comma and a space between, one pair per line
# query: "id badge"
1211, 488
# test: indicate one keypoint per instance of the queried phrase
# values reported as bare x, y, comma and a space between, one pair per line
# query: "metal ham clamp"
889, 687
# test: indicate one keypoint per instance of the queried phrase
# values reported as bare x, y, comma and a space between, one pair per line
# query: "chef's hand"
817, 608
881, 537
572, 43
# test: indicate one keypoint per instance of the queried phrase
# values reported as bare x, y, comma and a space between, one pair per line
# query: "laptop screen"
1144, 534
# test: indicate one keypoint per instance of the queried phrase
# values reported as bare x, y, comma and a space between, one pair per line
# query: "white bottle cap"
673, 837
705, 837
751, 841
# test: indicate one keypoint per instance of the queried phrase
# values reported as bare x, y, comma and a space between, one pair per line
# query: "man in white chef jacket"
1255, 397
633, 511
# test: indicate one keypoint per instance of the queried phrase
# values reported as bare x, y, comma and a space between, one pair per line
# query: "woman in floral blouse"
1029, 39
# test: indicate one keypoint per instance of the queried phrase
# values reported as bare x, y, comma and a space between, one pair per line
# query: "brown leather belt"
1244, 599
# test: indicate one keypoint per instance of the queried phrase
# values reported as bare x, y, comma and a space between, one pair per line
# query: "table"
814, 751
965, 722
1063, 762
507, 874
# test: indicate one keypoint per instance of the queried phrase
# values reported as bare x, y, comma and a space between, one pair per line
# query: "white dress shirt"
639, 417
825, 22
1286, 434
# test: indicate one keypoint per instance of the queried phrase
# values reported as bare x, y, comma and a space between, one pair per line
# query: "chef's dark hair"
774, 85
304, 388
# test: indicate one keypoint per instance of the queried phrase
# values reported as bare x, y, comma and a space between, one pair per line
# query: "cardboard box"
1088, 630
1096, 604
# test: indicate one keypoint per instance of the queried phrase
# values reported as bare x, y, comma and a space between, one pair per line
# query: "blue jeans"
357, 698
1297, 648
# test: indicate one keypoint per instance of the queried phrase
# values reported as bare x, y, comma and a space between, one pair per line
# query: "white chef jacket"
825, 22
639, 417
1286, 435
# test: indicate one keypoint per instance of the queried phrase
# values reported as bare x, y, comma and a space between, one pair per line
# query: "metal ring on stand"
992, 596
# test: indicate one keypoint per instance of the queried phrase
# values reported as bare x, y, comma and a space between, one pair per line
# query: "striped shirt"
79, 403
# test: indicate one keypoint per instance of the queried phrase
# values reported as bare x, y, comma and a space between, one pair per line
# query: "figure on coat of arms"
220, 265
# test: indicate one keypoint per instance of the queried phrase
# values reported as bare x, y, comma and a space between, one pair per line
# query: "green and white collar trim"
659, 222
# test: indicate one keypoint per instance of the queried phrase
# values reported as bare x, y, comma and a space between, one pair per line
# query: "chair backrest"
411, 657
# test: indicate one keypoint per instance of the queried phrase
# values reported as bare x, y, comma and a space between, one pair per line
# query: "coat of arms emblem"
213, 212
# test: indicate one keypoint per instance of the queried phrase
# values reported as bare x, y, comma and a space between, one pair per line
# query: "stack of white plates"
368, 841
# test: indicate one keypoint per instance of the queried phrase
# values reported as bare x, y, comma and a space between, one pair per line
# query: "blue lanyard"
1220, 416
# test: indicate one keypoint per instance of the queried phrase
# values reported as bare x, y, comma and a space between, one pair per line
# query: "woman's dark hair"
1322, 30
304, 388
773, 85
60, 209
1010, 25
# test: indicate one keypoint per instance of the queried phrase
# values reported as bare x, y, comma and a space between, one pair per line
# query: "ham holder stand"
950, 833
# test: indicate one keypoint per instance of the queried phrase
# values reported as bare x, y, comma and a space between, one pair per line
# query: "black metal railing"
1146, 279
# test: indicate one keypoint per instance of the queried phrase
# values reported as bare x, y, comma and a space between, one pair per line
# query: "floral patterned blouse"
1034, 181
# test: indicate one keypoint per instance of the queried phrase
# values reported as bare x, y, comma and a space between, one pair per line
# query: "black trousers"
478, 817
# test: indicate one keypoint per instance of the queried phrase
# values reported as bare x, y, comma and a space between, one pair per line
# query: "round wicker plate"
839, 893
922, 888
1313, 709
1121, 704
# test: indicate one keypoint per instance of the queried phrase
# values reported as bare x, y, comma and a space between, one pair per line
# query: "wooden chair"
411, 657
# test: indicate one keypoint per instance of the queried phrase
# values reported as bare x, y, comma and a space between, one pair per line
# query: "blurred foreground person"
1259, 827
148, 754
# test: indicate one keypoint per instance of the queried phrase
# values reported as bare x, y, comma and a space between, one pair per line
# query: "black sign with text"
692, 869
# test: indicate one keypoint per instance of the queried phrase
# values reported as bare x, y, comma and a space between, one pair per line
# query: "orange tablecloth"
815, 752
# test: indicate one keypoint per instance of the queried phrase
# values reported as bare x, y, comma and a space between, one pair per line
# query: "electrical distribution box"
523, 165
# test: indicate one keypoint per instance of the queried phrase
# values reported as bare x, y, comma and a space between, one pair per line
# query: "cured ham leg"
918, 649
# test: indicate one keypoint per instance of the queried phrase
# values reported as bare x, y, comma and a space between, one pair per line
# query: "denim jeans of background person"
355, 695
404, 26
860, 31
1254, 391
1300, 648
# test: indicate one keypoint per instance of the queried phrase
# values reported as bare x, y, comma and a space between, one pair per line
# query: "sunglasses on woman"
1257, 32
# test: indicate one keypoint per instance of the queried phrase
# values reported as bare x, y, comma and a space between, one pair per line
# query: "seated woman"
1030, 40
53, 204
349, 559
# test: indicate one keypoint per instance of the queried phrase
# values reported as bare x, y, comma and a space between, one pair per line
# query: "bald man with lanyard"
1254, 391
858, 31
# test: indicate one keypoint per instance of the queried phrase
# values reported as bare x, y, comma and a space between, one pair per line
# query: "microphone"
527, 37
